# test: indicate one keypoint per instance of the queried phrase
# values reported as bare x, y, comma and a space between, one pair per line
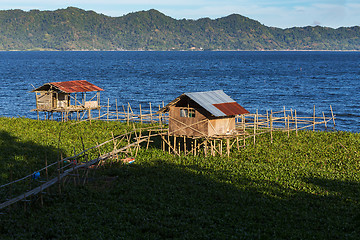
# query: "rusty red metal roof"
76, 86
231, 108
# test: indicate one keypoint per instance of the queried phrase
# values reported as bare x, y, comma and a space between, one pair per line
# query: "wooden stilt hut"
67, 97
203, 114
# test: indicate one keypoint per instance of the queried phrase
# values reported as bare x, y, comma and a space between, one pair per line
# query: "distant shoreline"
272, 50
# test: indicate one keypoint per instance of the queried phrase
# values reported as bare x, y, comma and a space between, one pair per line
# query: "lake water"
256, 80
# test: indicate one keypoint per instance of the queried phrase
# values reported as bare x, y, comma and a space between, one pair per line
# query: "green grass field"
301, 187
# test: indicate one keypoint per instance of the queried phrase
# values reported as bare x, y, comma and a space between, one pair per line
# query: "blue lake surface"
256, 80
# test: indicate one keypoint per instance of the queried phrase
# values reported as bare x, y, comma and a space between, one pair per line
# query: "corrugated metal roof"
76, 86
231, 108
213, 102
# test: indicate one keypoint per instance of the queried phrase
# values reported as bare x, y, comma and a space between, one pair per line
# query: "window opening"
186, 112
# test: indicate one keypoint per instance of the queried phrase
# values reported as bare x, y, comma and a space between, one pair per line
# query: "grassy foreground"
304, 187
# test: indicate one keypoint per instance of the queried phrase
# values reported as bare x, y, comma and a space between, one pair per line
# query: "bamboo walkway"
248, 126
73, 166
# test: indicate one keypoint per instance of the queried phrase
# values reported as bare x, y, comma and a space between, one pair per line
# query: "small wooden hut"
200, 114
67, 97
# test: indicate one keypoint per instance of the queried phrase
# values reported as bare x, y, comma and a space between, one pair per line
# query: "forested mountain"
76, 29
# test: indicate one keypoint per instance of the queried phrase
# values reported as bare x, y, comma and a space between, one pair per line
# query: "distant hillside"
76, 29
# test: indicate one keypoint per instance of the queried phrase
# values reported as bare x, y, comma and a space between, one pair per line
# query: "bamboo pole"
314, 119
285, 117
288, 126
148, 142
195, 147
117, 113
127, 115
271, 128
255, 125
228, 147
324, 120
168, 135
332, 115
244, 127
185, 147
160, 122
212, 148
141, 121
151, 119
206, 147
296, 125
108, 109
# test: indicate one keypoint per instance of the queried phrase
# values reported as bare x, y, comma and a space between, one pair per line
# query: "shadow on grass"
18, 158
160, 200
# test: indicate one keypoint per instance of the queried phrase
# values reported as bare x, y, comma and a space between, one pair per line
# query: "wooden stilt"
296, 128
89, 115
151, 117
116, 107
169, 142
174, 143
160, 122
195, 147
108, 110
148, 142
244, 128
237, 143
185, 148
228, 147
324, 120
206, 147
288, 126
314, 119
285, 118
255, 126
221, 147
271, 128
141, 120
212, 148
128, 114
332, 115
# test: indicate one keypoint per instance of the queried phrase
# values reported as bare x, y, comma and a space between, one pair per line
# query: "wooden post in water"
285, 117
127, 114
160, 121
151, 120
332, 114
296, 128
314, 119
288, 126
271, 128
117, 113
324, 120
141, 121
108, 109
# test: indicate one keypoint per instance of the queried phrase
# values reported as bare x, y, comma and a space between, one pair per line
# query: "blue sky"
276, 13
